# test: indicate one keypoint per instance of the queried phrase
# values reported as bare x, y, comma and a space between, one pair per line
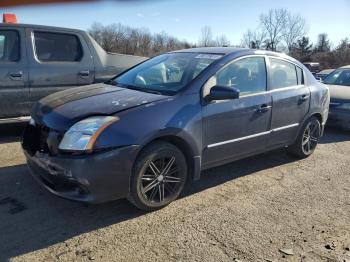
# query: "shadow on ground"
335, 135
33, 219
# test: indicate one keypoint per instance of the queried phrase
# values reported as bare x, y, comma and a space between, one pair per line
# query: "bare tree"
119, 38
145, 43
206, 38
294, 29
253, 39
273, 24
248, 38
222, 41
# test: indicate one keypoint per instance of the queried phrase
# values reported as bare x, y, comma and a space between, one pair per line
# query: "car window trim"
253, 135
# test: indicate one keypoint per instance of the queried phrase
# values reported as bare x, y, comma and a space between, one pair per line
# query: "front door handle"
264, 108
16, 75
84, 73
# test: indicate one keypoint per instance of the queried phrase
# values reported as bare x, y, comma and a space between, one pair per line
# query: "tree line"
278, 30
118, 38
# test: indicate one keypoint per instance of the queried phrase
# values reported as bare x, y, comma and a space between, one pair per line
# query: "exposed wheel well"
180, 144
318, 116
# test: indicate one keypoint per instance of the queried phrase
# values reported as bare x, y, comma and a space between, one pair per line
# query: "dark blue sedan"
146, 133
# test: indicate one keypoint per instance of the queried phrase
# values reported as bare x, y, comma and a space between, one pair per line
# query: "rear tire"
307, 140
159, 176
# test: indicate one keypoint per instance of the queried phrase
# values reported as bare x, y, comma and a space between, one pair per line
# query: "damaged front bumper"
93, 178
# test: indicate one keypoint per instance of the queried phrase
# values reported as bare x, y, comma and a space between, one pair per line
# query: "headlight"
82, 135
344, 106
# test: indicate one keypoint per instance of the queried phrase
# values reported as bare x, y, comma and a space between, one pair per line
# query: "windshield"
167, 73
338, 77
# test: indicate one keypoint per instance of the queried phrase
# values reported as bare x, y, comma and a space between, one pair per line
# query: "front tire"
307, 139
159, 176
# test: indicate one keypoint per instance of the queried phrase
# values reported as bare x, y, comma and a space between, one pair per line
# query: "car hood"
339, 93
61, 110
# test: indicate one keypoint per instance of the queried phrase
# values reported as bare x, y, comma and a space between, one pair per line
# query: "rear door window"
57, 47
283, 74
9, 46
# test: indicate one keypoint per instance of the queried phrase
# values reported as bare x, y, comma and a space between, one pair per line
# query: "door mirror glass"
223, 93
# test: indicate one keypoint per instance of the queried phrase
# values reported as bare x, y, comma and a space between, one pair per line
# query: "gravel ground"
258, 209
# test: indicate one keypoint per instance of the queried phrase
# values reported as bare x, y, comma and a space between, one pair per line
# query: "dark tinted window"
283, 74
300, 76
9, 46
247, 74
55, 47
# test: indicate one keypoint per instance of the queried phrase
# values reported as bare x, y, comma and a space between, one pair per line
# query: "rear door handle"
16, 75
264, 108
84, 73
304, 98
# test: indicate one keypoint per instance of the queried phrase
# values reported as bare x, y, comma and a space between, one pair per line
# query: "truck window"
9, 46
57, 47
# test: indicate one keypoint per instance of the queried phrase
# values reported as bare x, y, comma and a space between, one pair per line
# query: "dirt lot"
244, 211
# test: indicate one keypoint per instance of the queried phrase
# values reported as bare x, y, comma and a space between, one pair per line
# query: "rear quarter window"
57, 47
300, 75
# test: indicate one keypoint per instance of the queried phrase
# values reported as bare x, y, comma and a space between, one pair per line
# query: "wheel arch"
318, 115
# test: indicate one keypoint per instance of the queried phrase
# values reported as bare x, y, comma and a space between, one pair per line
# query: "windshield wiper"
146, 90
151, 91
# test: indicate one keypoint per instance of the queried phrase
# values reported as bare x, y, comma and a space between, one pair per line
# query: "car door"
290, 101
14, 93
58, 60
239, 127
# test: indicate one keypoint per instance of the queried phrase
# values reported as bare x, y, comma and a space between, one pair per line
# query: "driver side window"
246, 74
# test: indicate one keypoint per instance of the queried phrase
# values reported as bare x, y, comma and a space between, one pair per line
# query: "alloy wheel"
161, 180
310, 137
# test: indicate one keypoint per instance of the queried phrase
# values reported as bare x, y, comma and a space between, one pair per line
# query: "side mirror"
223, 93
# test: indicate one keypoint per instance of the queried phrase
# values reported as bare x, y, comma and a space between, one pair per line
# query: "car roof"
211, 50
39, 27
346, 67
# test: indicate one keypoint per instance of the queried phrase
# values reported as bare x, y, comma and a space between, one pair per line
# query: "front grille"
35, 139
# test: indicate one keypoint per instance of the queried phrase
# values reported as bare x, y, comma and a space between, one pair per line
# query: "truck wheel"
159, 176
307, 139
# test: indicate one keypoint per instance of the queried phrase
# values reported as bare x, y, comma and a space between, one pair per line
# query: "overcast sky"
184, 18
